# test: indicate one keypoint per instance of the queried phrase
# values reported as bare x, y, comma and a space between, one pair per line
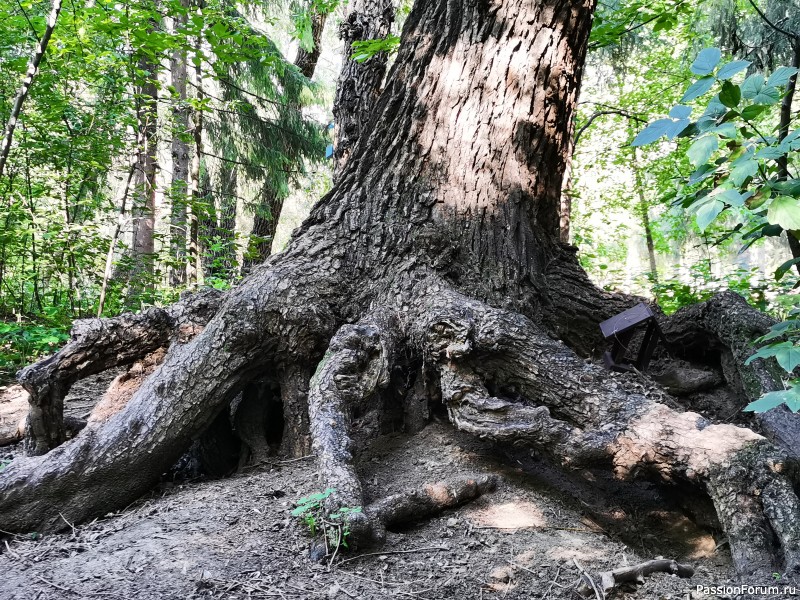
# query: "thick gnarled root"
100, 344
723, 329
106, 468
504, 379
355, 366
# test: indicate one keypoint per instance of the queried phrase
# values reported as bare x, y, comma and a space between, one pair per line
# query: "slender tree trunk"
218, 224
359, 83
22, 94
144, 208
643, 208
267, 214
194, 265
180, 162
122, 202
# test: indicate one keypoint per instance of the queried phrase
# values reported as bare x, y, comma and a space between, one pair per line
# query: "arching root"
355, 367
100, 344
505, 380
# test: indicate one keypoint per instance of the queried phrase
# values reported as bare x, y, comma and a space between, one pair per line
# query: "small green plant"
4, 464
334, 527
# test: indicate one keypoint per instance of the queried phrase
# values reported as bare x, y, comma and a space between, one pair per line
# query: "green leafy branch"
363, 50
741, 167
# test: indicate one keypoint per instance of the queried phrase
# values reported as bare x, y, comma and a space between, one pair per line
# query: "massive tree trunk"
436, 252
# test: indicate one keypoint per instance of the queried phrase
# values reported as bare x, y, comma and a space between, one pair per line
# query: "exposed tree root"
430, 500
100, 344
723, 328
354, 367
606, 581
106, 468
500, 376
584, 415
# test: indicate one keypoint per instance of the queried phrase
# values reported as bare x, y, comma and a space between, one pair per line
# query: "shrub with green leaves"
21, 343
745, 161
734, 148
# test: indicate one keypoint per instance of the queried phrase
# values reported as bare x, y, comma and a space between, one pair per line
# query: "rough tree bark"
359, 83
437, 247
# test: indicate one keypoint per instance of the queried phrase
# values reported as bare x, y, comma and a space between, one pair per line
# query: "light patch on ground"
509, 515
577, 551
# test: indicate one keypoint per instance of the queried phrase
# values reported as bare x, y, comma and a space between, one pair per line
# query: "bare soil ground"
235, 538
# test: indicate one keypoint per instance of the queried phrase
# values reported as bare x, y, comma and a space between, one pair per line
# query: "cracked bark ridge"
97, 345
359, 83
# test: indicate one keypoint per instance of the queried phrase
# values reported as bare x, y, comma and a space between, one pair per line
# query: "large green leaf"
769, 153
784, 211
768, 401
698, 88
730, 95
788, 356
680, 111
727, 130
784, 268
786, 353
708, 212
743, 170
706, 61
702, 172
732, 197
767, 95
732, 68
702, 149
752, 85
751, 112
781, 76
652, 132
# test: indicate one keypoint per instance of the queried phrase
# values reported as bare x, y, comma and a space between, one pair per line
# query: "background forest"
169, 144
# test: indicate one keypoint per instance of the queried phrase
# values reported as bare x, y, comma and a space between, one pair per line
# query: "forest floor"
236, 538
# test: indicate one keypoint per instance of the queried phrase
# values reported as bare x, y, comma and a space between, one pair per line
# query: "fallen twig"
633, 574
586, 584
